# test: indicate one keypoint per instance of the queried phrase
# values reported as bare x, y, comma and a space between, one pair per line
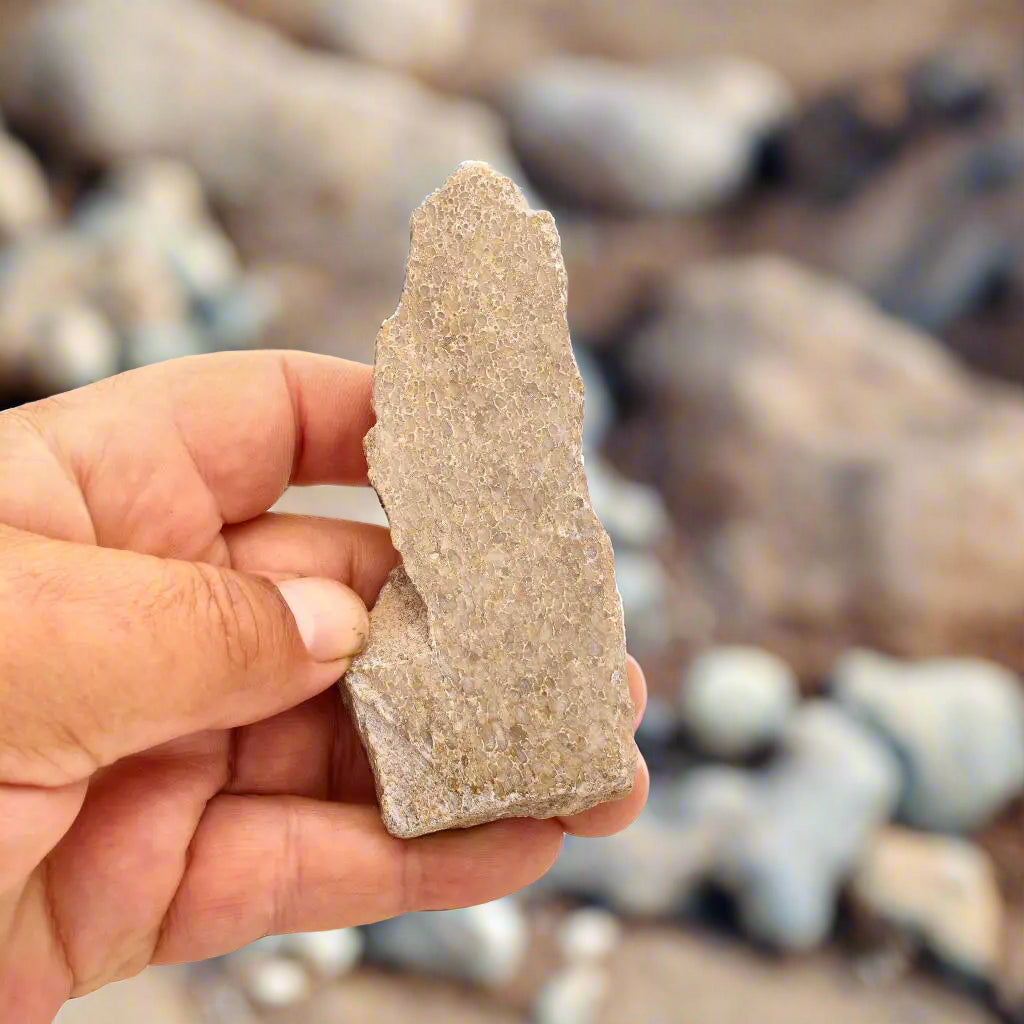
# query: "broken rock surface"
494, 680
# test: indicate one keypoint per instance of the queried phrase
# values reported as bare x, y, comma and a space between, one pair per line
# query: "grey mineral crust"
494, 683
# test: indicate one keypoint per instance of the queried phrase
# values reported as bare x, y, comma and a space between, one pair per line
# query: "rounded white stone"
74, 345
328, 954
644, 139
484, 945
169, 189
958, 724
503, 937
205, 260
24, 195
633, 514
736, 699
275, 981
400, 33
572, 996
589, 935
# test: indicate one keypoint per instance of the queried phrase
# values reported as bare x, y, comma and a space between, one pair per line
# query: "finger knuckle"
228, 604
410, 887
288, 878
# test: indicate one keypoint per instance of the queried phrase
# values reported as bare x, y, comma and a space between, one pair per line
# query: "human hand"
177, 775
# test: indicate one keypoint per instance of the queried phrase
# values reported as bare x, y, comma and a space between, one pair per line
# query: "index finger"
249, 423
305, 414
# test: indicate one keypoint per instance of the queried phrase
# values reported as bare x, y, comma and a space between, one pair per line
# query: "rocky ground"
660, 975
793, 237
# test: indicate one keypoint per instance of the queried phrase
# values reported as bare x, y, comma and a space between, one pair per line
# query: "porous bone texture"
494, 681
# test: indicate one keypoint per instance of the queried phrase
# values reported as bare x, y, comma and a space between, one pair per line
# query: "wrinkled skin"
177, 775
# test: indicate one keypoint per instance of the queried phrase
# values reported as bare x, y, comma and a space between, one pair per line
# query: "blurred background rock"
794, 231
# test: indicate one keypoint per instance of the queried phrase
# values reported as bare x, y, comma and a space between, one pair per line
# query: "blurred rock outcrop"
780, 841
812, 814
614, 136
816, 43
139, 273
414, 35
838, 479
957, 725
309, 158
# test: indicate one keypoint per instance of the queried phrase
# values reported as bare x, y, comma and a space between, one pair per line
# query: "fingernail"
332, 620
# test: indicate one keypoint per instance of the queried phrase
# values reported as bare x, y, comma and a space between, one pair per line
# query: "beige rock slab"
837, 479
943, 888
494, 680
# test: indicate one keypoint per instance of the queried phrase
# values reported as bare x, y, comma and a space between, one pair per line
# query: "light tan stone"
494, 680
941, 888
25, 205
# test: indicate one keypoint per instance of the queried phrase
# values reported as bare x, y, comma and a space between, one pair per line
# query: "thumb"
104, 653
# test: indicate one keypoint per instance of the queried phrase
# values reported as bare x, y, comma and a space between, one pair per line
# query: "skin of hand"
177, 774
